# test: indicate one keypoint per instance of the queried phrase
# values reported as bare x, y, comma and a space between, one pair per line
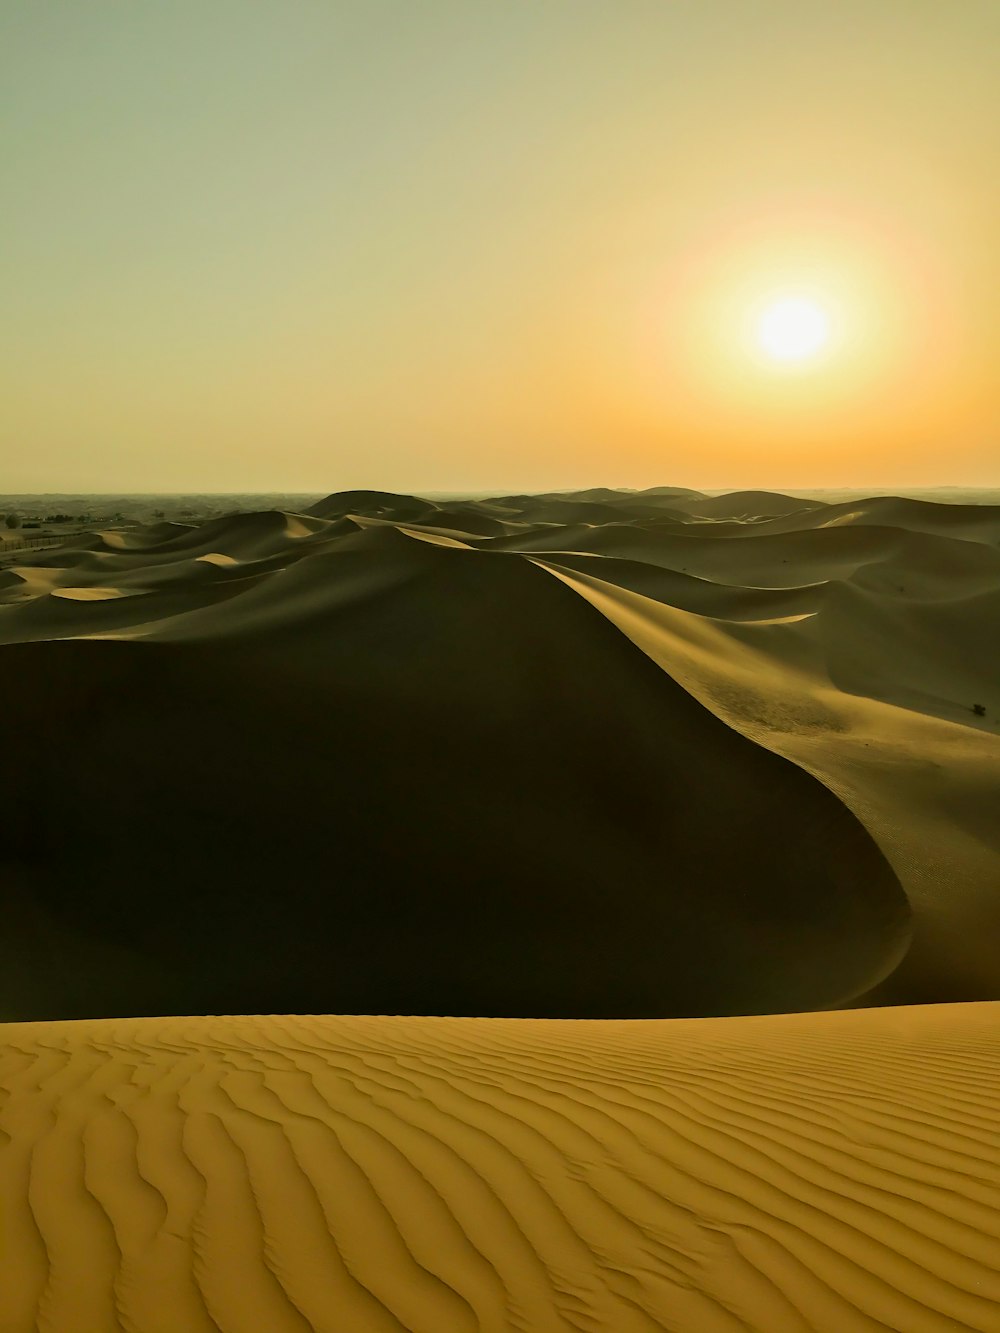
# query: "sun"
792, 330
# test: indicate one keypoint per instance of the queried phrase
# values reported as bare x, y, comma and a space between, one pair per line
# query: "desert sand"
829, 1171
729, 765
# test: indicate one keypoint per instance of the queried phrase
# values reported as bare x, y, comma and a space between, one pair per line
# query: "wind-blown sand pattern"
604, 757
828, 1171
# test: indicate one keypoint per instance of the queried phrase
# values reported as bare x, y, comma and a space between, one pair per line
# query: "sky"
497, 244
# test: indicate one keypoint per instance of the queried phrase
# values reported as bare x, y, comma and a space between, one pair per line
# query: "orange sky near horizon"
288, 246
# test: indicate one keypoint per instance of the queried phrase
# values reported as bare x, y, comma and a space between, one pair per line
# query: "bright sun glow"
792, 329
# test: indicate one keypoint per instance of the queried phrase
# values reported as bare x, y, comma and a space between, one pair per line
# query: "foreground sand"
835, 1172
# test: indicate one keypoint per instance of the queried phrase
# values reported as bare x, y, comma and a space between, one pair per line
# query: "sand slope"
821, 1172
611, 755
607, 754
402, 800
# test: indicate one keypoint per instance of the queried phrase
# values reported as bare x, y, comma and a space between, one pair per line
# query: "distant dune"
721, 761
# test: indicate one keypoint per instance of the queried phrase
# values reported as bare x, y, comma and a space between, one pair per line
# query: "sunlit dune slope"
464, 758
813, 1173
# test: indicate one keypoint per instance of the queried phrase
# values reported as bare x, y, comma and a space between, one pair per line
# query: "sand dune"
620, 768
612, 756
746, 505
828, 1172
925, 787
544, 856
966, 522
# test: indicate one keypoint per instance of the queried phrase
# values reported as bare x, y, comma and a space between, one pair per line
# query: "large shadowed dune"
463, 792
461, 757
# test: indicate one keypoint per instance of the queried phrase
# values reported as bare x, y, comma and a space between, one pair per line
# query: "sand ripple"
827, 1172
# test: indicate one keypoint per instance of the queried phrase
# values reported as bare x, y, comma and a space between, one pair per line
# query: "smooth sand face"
818, 1172
567, 756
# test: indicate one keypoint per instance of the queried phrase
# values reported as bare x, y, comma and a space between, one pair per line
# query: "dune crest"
608, 754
